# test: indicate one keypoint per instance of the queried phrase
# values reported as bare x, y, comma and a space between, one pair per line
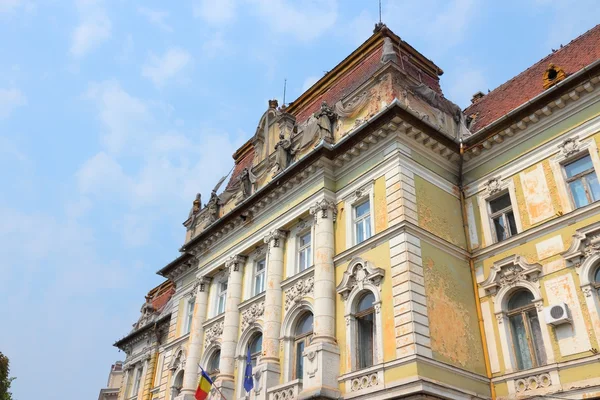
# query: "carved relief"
313, 364
322, 208
357, 274
533, 382
299, 290
274, 237
509, 272
364, 382
251, 314
494, 185
569, 147
213, 333
235, 263
585, 244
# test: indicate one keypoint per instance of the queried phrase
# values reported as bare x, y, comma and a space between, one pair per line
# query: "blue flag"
248, 380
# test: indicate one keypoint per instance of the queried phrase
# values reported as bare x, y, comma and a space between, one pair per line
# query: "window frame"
256, 275
579, 177
189, 315
300, 249
221, 294
483, 199
137, 380
361, 314
532, 346
502, 214
360, 220
305, 338
214, 373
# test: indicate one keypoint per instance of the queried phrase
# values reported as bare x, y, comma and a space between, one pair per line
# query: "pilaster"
194, 352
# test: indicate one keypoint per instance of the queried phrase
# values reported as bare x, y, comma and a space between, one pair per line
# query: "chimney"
273, 103
476, 97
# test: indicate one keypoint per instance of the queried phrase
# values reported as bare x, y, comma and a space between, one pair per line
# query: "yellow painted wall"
380, 205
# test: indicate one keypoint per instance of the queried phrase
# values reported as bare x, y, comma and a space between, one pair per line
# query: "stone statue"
245, 183
283, 154
213, 207
326, 116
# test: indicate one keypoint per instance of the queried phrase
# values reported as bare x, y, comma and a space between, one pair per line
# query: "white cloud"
164, 68
308, 82
10, 99
156, 17
303, 19
94, 28
215, 12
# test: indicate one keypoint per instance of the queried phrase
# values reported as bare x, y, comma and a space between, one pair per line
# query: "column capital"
201, 284
273, 238
321, 210
234, 263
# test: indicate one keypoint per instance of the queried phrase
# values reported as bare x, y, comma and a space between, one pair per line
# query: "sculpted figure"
245, 183
283, 154
213, 207
326, 116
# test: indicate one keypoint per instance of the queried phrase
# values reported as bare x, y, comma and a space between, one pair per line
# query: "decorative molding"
212, 334
299, 290
585, 244
235, 263
533, 382
180, 269
321, 209
357, 274
364, 382
569, 147
274, 237
252, 313
494, 185
510, 271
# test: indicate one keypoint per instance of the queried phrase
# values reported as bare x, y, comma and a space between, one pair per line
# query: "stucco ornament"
494, 185
298, 291
213, 333
251, 314
533, 382
234, 263
509, 272
364, 382
322, 208
274, 237
585, 244
569, 147
358, 273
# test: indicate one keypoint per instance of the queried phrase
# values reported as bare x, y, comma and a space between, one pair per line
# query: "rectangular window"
582, 181
502, 217
304, 251
136, 382
221, 297
259, 277
189, 315
362, 221
299, 359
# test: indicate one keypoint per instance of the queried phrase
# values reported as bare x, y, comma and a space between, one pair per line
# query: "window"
502, 217
221, 297
362, 221
259, 277
526, 332
582, 181
304, 251
255, 346
189, 315
365, 324
597, 281
136, 382
304, 330
212, 369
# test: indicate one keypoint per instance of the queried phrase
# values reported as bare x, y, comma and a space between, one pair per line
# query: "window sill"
292, 279
213, 320
251, 300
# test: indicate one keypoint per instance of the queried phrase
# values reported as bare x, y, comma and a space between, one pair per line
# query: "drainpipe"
486, 357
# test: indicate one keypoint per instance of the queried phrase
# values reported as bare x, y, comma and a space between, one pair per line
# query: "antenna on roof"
380, 11
284, 86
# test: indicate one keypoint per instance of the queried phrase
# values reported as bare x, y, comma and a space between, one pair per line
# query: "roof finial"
380, 11
379, 25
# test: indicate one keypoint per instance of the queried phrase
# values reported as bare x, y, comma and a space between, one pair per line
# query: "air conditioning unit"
557, 314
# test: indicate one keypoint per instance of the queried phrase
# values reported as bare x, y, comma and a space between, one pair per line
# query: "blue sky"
113, 114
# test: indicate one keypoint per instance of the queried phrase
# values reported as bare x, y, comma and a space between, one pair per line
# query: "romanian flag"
204, 386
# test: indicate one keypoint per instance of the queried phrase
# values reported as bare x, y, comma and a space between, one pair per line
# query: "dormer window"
553, 75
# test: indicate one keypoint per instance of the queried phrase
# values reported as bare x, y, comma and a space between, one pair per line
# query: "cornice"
143, 333
540, 109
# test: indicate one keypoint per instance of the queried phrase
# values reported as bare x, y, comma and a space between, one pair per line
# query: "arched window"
212, 369
255, 346
304, 330
365, 321
526, 333
597, 280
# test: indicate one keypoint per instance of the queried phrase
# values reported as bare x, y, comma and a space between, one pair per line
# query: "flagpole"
213, 385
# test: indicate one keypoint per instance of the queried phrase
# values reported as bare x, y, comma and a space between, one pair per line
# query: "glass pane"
260, 265
577, 167
597, 276
299, 360
538, 342
500, 203
511, 223
259, 283
360, 232
366, 302
578, 192
304, 240
223, 286
520, 299
362, 209
367, 222
213, 364
305, 325
520, 343
592, 181
365, 341
302, 260
221, 305
501, 232
256, 344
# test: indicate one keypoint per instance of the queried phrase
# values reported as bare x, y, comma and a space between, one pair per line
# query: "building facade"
113, 385
376, 241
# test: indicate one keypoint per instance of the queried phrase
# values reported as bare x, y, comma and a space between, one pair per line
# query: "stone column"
194, 351
225, 379
272, 316
322, 357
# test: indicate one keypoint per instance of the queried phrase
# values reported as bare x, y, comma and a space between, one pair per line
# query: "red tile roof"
245, 162
579, 53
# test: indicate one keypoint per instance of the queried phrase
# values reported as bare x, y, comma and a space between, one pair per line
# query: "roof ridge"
582, 36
